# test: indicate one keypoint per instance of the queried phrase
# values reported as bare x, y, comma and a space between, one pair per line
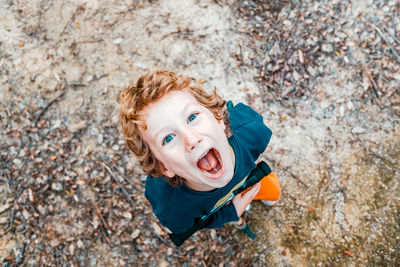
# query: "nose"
192, 139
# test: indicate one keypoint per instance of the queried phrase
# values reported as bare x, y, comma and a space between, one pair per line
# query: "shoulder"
249, 130
241, 114
159, 193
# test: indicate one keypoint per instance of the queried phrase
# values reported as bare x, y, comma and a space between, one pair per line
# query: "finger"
253, 191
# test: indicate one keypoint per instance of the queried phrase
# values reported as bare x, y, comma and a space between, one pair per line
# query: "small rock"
325, 104
54, 243
56, 124
311, 71
327, 48
115, 147
3, 220
79, 243
118, 40
296, 75
18, 163
127, 215
26, 214
350, 105
76, 127
386, 9
100, 139
341, 111
135, 234
157, 228
396, 76
56, 186
358, 130
4, 207
41, 209
213, 234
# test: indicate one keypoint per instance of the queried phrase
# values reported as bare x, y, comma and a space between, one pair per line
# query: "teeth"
205, 153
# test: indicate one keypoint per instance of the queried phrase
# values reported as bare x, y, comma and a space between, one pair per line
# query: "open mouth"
210, 162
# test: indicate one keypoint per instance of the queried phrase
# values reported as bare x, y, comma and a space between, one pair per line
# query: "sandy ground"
335, 146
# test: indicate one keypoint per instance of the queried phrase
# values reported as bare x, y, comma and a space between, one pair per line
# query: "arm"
241, 201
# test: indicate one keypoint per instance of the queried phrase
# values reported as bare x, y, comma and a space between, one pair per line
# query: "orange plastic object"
270, 189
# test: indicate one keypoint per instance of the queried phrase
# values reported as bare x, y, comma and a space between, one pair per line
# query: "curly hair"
148, 89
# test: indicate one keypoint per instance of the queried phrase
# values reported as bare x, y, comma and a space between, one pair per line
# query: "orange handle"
270, 189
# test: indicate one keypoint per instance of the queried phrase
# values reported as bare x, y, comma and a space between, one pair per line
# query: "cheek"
222, 124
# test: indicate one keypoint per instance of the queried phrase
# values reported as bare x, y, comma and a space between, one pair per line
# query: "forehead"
172, 102
167, 110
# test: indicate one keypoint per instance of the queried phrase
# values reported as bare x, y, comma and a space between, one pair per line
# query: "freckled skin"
179, 132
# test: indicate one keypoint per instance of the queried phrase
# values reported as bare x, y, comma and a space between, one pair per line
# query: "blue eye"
168, 139
192, 117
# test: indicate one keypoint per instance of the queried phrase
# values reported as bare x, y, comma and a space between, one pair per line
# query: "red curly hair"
148, 89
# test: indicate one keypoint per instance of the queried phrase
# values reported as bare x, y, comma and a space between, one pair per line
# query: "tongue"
208, 162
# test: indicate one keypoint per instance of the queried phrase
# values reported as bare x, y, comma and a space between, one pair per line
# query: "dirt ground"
324, 74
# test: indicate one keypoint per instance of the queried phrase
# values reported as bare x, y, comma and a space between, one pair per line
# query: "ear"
168, 173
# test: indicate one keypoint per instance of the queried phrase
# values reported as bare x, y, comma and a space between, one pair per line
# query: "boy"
195, 150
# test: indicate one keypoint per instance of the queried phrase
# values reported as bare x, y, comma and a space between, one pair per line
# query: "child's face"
189, 141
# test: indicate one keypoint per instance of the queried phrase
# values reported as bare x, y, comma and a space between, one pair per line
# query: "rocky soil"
324, 74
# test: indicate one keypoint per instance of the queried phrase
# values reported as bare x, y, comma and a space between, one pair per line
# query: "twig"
326, 235
21, 257
217, 2
374, 85
103, 222
391, 35
227, 74
178, 31
387, 42
128, 197
169, 244
48, 105
123, 155
127, 179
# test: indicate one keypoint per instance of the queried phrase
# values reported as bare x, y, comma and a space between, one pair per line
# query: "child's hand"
241, 201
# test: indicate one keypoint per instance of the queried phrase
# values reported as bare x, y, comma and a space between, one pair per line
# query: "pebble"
4, 207
56, 186
358, 130
296, 75
127, 215
350, 105
41, 209
327, 48
56, 124
341, 111
311, 71
100, 139
26, 214
3, 220
135, 234
325, 104
79, 243
118, 40
157, 228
